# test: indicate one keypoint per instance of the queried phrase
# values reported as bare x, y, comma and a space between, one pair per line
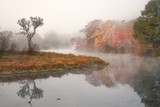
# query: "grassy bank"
21, 62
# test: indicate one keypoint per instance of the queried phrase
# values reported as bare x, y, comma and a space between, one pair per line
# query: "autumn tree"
89, 30
147, 26
103, 36
5, 39
28, 28
115, 36
111, 36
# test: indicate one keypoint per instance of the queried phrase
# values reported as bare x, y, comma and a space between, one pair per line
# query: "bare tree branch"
28, 28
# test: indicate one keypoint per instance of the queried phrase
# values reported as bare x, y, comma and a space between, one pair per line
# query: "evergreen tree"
147, 26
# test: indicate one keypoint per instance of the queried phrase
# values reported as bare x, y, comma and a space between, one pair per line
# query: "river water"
128, 81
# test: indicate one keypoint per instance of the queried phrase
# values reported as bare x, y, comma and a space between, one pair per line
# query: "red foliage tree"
108, 36
116, 36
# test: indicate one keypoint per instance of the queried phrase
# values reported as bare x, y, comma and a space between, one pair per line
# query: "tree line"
28, 28
140, 35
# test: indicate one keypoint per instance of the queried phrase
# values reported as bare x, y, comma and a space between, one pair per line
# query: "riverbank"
22, 62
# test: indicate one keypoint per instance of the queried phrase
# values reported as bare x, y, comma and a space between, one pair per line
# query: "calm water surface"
129, 81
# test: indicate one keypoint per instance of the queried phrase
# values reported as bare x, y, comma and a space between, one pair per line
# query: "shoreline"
22, 62
44, 75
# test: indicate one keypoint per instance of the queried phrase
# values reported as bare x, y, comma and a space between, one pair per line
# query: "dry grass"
21, 62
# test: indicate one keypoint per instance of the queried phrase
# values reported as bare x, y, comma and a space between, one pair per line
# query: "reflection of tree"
30, 89
120, 71
102, 77
147, 85
111, 75
24, 91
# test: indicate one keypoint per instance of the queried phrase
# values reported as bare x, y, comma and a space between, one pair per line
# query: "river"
128, 81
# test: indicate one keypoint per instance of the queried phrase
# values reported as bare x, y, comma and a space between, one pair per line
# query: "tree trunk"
29, 45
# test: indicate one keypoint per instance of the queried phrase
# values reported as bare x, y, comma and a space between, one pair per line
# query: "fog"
128, 69
51, 40
122, 68
66, 16
64, 19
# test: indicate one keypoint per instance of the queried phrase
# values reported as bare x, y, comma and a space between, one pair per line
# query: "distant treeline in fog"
111, 36
50, 40
140, 36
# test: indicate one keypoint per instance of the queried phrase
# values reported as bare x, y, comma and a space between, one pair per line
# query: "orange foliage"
116, 35
18, 62
103, 34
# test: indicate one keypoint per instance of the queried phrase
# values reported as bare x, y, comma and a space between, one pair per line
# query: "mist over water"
122, 66
142, 73
98, 28
127, 62
128, 81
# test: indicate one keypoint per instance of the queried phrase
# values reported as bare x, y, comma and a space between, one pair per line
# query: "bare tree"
28, 28
4, 40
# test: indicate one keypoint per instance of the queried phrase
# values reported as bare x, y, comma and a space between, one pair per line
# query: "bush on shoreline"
21, 62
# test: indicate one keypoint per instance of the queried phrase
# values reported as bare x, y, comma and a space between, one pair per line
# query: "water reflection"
147, 85
140, 74
30, 76
27, 82
102, 77
43, 75
112, 75
143, 75
29, 89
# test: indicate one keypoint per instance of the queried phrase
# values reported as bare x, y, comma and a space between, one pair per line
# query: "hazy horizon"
66, 17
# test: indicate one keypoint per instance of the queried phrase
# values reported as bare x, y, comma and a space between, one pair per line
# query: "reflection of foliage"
147, 85
93, 80
42, 75
120, 72
36, 93
26, 90
102, 77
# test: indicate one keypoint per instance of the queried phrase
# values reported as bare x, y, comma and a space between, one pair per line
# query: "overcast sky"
67, 16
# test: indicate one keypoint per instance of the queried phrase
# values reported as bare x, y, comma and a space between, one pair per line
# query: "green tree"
28, 28
147, 26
